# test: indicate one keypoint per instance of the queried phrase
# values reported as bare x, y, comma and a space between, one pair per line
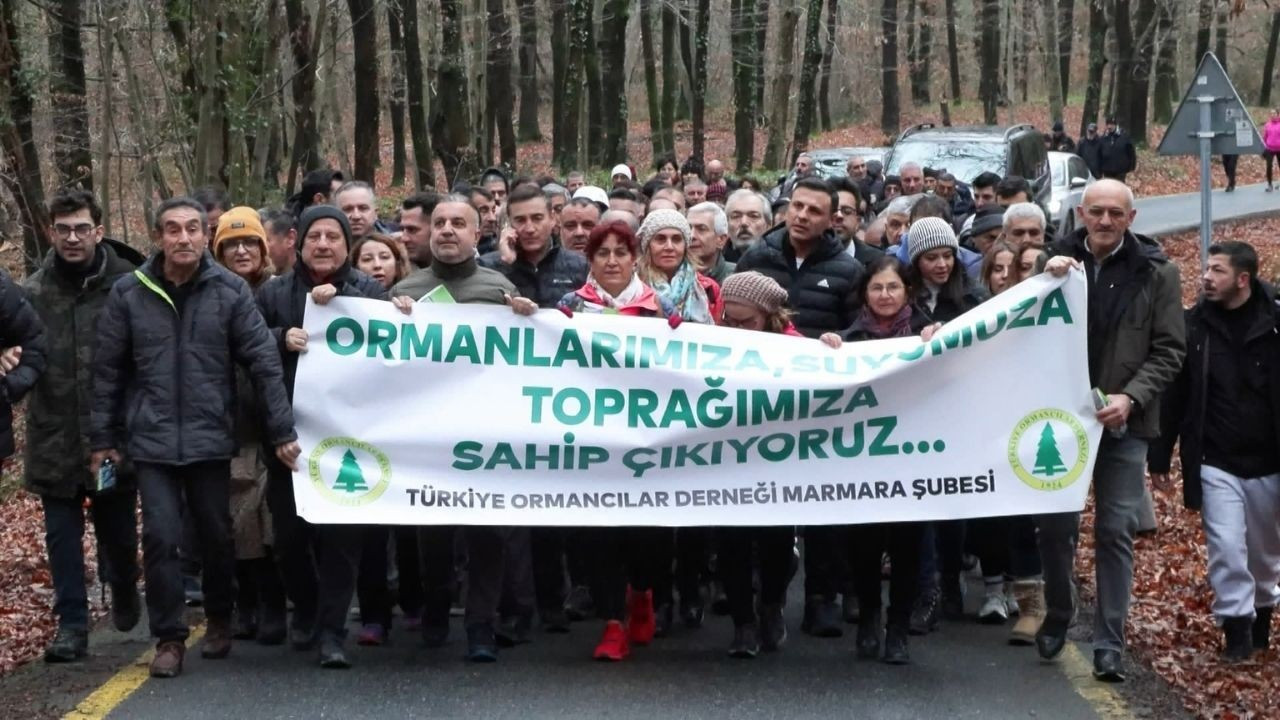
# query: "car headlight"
1055, 206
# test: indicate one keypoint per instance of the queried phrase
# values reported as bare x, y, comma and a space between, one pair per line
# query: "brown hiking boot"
1031, 611
217, 640
168, 659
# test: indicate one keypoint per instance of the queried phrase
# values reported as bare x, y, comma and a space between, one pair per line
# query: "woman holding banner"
624, 559
754, 301
886, 313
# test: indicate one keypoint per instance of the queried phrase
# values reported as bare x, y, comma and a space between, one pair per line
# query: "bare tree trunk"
684, 100
811, 59
594, 98
657, 131
953, 50
559, 81
1269, 65
1124, 62
989, 79
1204, 28
780, 92
579, 16
824, 72
742, 39
500, 103
415, 77
762, 28
210, 161
22, 177
889, 104
670, 73
107, 65
395, 97
613, 45
1143, 61
701, 31
72, 155
1097, 63
1221, 35
1066, 33
1166, 91
306, 135
527, 14
451, 125
1049, 15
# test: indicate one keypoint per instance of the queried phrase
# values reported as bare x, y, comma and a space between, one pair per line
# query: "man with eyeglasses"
1136, 344
848, 221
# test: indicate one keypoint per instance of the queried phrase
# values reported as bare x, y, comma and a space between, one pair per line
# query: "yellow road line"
1104, 697
121, 685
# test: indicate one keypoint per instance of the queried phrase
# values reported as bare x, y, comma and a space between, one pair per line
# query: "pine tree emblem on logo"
1049, 449
347, 471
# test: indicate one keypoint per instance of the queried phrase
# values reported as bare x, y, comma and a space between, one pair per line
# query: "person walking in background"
1271, 143
1118, 158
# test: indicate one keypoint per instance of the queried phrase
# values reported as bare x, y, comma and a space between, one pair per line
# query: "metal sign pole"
1206, 179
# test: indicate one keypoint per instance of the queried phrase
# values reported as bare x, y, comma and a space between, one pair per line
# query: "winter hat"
320, 212
756, 289
660, 220
594, 194
931, 233
621, 169
239, 222
986, 219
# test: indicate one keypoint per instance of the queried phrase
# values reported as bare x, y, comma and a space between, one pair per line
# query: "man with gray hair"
356, 200
750, 217
558, 196
912, 176
1024, 224
710, 234
896, 218
623, 216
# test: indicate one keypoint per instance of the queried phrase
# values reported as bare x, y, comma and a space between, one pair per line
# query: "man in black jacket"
1118, 157
164, 394
69, 291
540, 270
1225, 407
319, 563
1090, 149
806, 257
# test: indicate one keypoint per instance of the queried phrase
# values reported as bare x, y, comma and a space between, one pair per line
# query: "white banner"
469, 414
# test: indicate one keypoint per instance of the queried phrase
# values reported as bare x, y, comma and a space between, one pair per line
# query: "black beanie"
319, 212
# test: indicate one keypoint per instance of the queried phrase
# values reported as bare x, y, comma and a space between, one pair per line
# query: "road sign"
1233, 130
1210, 121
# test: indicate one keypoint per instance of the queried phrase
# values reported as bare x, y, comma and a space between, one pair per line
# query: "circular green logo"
340, 470
1049, 449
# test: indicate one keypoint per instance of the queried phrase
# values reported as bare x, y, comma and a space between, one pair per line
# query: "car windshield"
1059, 169
965, 160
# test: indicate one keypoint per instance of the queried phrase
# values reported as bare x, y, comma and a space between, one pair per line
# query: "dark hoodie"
822, 291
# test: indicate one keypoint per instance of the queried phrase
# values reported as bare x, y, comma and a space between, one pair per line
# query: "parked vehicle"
1070, 179
967, 152
830, 163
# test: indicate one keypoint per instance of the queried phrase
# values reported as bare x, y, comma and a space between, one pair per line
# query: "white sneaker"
993, 610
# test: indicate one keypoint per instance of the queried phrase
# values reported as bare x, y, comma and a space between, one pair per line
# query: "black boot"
67, 645
1262, 629
1238, 645
272, 602
952, 598
126, 606
924, 616
869, 635
895, 646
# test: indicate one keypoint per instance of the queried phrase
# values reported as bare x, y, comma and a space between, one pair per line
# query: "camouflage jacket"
57, 453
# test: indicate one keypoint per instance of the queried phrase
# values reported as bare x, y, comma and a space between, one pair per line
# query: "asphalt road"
1168, 214
964, 670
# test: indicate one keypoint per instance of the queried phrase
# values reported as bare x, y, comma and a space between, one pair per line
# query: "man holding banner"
1136, 343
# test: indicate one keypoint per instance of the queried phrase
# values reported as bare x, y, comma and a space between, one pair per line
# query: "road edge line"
112, 693
1104, 698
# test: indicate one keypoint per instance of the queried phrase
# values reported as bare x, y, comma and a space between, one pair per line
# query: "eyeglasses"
1026, 232
733, 322
847, 210
1113, 213
82, 231
238, 243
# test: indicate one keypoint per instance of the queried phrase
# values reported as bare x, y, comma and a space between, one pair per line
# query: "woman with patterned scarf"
665, 266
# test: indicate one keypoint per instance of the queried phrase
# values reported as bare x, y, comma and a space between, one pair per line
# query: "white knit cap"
928, 234
594, 194
661, 219
621, 169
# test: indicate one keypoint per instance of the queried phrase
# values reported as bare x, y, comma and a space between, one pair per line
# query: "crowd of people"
171, 376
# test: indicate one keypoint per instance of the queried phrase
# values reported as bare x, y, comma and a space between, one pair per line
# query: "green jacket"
1137, 335
467, 282
720, 271
57, 453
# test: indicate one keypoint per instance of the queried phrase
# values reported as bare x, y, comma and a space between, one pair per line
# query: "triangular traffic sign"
1233, 130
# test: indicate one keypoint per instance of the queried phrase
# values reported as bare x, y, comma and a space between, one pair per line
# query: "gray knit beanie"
928, 234
661, 220
754, 288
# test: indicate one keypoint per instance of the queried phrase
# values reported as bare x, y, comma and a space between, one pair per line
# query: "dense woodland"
138, 100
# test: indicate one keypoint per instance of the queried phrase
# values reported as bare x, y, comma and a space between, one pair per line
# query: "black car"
966, 152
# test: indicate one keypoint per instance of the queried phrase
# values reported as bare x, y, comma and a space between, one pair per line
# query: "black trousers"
436, 561
518, 595
372, 589
1270, 157
773, 547
115, 524
487, 555
867, 545
693, 562
547, 545
824, 560
318, 562
1229, 163
639, 556
1005, 545
204, 489
409, 566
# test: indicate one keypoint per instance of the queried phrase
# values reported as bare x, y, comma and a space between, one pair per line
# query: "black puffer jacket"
823, 291
559, 272
57, 456
164, 386
284, 299
19, 326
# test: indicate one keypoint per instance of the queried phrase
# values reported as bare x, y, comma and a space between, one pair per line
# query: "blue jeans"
1119, 477
115, 524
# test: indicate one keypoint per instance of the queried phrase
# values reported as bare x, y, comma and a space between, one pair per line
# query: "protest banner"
469, 414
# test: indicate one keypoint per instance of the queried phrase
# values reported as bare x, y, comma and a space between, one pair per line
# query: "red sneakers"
613, 645
641, 622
